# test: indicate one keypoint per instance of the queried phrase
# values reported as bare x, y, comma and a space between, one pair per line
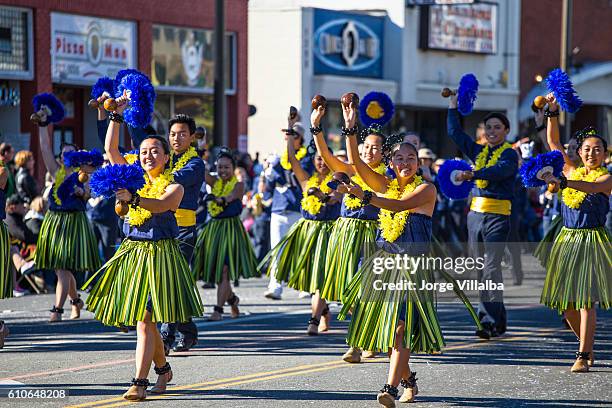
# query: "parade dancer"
357, 224
300, 257
286, 193
148, 279
579, 272
224, 252
187, 169
66, 243
494, 171
6, 278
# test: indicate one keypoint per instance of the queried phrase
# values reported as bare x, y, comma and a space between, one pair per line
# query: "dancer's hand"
464, 175
316, 116
553, 106
355, 190
123, 195
350, 115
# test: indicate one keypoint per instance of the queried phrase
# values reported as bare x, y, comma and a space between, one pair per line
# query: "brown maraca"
83, 176
37, 117
121, 208
539, 101
313, 191
112, 104
318, 100
348, 98
96, 103
446, 92
341, 177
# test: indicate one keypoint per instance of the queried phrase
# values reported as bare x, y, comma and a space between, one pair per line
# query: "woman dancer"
6, 278
147, 280
224, 252
299, 257
66, 243
579, 268
357, 224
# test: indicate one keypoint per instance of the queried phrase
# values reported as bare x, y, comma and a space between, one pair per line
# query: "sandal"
217, 315
56, 314
313, 327
164, 377
77, 305
233, 301
138, 390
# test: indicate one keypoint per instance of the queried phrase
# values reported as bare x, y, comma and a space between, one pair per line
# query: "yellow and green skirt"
6, 278
376, 313
66, 241
224, 241
144, 275
579, 270
299, 258
542, 251
346, 244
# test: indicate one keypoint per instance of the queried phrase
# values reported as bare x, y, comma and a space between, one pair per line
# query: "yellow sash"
490, 205
185, 218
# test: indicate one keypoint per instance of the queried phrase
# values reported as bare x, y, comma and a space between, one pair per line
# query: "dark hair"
497, 115
14, 199
227, 153
162, 140
5, 148
587, 133
64, 144
182, 118
400, 145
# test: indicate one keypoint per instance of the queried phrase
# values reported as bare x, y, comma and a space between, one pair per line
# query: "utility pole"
566, 52
220, 135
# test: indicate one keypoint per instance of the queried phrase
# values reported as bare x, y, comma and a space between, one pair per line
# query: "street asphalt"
265, 359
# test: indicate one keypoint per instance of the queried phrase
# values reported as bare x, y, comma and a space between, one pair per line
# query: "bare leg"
62, 288
400, 357
224, 289
587, 329
317, 305
146, 346
573, 319
72, 289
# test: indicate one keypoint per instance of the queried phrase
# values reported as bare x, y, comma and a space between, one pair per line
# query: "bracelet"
349, 131
541, 127
316, 130
367, 197
115, 117
326, 199
549, 114
135, 201
224, 202
563, 182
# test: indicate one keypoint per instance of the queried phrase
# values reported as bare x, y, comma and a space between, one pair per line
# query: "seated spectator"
27, 188
34, 217
6, 157
21, 238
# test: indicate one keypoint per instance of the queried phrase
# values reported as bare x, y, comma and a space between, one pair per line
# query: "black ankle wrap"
410, 382
233, 300
314, 320
76, 301
218, 309
140, 382
163, 369
389, 389
583, 355
56, 309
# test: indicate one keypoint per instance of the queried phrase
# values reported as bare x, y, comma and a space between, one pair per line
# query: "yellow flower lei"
481, 161
573, 198
221, 190
310, 203
299, 155
352, 202
157, 187
391, 223
152, 189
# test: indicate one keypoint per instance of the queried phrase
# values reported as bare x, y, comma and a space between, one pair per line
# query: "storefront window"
15, 43
199, 107
163, 112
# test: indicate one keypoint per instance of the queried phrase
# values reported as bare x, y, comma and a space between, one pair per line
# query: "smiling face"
179, 137
495, 131
320, 165
404, 161
371, 151
153, 159
592, 152
225, 168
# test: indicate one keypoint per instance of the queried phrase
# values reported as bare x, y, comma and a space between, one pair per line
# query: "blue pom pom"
384, 106
466, 94
448, 188
65, 191
390, 173
107, 180
51, 102
530, 168
80, 157
104, 84
122, 73
559, 84
142, 99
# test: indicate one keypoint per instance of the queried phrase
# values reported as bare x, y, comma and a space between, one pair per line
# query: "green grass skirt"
579, 270
299, 258
66, 241
137, 271
224, 241
542, 251
346, 245
6, 277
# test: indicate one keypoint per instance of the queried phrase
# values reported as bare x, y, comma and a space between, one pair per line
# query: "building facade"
65, 46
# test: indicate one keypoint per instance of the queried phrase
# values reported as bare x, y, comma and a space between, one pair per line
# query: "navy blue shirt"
591, 213
232, 209
103, 212
72, 203
500, 176
191, 177
159, 226
2, 204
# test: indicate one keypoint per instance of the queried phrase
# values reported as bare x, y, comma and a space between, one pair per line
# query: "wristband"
367, 197
349, 131
115, 117
316, 130
135, 201
563, 182
549, 114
